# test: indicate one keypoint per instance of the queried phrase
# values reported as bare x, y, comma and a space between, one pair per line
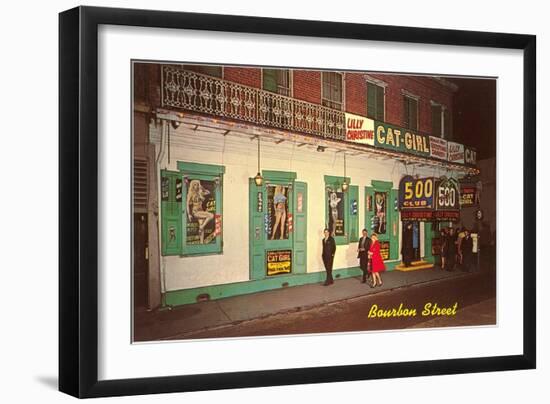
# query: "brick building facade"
203, 123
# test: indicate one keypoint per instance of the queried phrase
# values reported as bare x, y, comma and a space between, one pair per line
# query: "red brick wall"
426, 88
247, 76
356, 93
307, 85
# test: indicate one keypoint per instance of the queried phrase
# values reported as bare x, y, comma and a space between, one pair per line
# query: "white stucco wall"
239, 156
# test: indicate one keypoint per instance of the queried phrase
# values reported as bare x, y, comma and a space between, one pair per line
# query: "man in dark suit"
363, 254
329, 249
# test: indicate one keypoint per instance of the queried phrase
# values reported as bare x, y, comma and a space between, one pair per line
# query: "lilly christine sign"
279, 262
456, 152
438, 148
401, 140
416, 193
359, 129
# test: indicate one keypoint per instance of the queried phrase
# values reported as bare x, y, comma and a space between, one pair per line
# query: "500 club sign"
416, 193
447, 200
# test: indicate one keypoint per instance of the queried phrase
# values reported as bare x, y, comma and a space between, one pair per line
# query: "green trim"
331, 179
271, 175
189, 296
382, 185
199, 168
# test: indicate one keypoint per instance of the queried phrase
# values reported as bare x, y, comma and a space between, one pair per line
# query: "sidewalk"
212, 314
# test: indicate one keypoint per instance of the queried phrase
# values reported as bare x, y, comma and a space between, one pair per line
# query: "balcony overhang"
195, 123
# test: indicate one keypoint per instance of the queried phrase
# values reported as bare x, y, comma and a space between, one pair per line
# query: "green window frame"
277, 81
375, 101
350, 229
410, 112
174, 215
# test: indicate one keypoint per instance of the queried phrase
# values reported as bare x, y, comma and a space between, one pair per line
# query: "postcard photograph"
272, 200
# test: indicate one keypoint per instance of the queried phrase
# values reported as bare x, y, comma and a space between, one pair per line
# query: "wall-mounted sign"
447, 195
416, 193
438, 148
201, 211
430, 215
470, 156
278, 262
400, 139
300, 202
456, 152
335, 200
385, 250
381, 212
353, 207
468, 195
260, 202
359, 129
277, 211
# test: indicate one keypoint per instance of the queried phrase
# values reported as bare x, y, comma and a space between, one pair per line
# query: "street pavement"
342, 306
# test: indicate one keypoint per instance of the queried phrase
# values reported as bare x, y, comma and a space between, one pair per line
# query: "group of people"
368, 252
457, 249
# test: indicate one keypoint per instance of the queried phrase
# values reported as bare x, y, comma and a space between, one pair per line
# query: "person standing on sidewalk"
329, 249
363, 254
466, 247
377, 263
450, 260
407, 247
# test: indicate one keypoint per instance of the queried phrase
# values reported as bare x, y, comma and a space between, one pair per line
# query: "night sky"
474, 115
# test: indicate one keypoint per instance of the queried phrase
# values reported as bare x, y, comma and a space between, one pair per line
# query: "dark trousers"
328, 261
450, 261
467, 261
364, 264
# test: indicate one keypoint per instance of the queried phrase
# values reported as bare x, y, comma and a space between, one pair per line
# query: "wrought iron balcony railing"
196, 92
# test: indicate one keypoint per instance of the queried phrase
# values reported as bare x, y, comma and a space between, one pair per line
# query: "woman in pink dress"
377, 263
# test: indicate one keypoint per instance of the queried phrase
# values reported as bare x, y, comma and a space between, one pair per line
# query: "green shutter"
300, 228
354, 213
379, 103
257, 207
368, 205
171, 212
270, 80
371, 101
414, 114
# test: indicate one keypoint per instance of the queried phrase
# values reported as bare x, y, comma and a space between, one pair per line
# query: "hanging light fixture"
345, 183
258, 179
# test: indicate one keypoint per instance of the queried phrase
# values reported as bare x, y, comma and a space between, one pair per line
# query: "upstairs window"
410, 112
332, 90
375, 101
441, 121
277, 81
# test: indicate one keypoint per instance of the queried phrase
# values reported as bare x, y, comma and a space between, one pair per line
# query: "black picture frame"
78, 193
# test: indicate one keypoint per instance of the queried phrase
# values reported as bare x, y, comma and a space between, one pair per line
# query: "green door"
300, 227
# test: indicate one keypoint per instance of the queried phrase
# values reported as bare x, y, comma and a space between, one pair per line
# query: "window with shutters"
410, 112
375, 101
332, 95
277, 81
441, 121
191, 209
